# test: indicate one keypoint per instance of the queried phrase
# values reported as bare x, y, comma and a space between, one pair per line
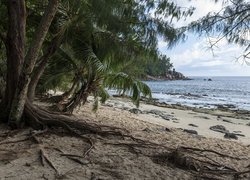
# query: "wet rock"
225, 106
135, 111
190, 131
219, 128
193, 125
230, 136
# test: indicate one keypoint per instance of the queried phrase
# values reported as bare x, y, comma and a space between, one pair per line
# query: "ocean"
232, 92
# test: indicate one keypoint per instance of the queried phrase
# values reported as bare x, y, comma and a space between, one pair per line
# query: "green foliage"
102, 43
125, 84
142, 67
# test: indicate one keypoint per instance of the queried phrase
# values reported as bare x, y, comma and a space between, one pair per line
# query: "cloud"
202, 7
195, 57
199, 60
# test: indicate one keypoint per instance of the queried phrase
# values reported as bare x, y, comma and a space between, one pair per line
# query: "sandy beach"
186, 119
118, 158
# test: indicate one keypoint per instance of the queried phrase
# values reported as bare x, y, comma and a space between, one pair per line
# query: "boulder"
230, 136
190, 131
219, 128
193, 125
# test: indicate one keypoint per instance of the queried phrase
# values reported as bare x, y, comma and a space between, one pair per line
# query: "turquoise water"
229, 91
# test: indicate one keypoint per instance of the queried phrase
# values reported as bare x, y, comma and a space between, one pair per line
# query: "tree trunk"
66, 94
38, 72
15, 50
20, 96
79, 98
35, 78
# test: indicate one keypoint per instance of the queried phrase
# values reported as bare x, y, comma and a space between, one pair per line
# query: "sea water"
232, 92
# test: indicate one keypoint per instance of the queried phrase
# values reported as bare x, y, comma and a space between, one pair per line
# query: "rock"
193, 125
209, 79
228, 121
219, 128
156, 112
167, 129
230, 136
135, 111
203, 117
248, 124
176, 122
165, 117
190, 131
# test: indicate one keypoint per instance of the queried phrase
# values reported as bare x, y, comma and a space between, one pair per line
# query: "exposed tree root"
44, 157
211, 151
195, 160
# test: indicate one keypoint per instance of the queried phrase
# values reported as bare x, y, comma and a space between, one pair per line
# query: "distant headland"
170, 75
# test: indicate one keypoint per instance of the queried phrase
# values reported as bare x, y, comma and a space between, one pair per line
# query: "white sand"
185, 117
107, 161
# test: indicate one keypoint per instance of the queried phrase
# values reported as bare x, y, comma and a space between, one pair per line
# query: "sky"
195, 58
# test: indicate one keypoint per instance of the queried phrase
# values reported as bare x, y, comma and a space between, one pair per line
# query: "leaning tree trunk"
15, 49
79, 98
38, 72
20, 96
67, 94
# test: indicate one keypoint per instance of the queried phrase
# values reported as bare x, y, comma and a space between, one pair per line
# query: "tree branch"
40, 35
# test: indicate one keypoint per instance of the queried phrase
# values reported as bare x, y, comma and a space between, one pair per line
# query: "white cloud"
195, 56
203, 7
221, 62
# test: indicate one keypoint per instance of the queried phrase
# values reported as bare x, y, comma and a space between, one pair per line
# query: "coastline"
187, 118
117, 157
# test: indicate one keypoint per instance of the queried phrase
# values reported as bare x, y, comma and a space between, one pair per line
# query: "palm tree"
120, 32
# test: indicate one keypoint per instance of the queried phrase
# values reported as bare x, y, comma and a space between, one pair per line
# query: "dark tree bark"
20, 94
79, 98
15, 50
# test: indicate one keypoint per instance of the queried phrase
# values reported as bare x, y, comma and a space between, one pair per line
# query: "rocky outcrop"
170, 75
174, 75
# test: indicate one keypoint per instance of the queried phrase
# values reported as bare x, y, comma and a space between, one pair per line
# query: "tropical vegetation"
81, 47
